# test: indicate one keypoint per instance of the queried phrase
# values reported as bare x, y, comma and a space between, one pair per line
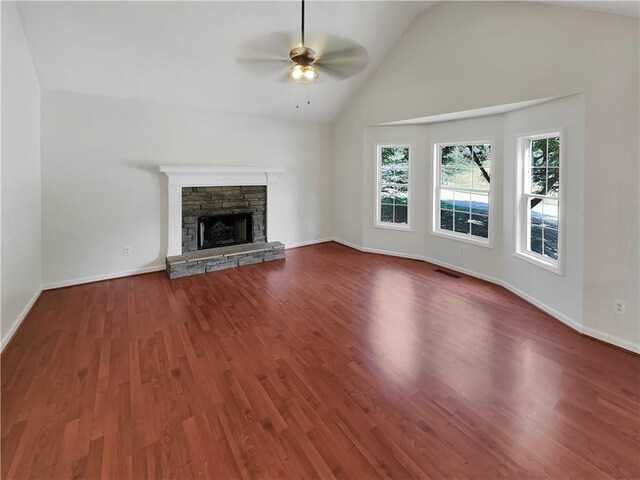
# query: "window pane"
535, 244
446, 220
387, 156
480, 204
401, 195
539, 153
538, 180
551, 243
553, 182
462, 201
386, 213
480, 182
387, 194
463, 156
446, 199
448, 157
536, 211
554, 152
550, 213
448, 176
401, 173
479, 226
387, 173
456, 155
483, 154
394, 155
461, 222
400, 214
401, 155
464, 177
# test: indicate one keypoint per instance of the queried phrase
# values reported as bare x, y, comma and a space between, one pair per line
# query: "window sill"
391, 226
553, 267
462, 238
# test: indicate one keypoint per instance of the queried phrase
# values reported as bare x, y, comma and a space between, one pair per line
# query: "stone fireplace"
217, 218
223, 216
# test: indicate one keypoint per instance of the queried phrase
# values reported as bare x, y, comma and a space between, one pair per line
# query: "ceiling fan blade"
331, 72
341, 68
340, 57
263, 66
272, 46
356, 54
267, 54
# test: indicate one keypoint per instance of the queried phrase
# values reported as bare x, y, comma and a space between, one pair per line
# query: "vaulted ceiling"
185, 53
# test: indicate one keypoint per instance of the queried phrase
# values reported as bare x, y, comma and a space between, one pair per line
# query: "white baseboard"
108, 276
577, 326
471, 273
378, 251
347, 244
20, 319
544, 307
309, 242
153, 268
605, 337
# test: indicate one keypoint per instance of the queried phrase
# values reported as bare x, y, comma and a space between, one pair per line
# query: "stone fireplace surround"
220, 200
179, 179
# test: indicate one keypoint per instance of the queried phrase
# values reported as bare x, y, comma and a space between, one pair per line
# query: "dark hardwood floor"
332, 363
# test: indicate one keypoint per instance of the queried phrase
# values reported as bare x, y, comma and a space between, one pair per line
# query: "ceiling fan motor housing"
303, 56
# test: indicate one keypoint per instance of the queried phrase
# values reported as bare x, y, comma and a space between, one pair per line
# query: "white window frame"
407, 227
523, 179
436, 187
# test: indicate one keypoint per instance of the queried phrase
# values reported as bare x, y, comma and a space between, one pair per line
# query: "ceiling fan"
335, 56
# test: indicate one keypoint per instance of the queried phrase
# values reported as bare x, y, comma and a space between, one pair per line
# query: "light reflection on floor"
392, 330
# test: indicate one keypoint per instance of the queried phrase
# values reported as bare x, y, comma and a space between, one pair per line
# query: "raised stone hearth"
214, 259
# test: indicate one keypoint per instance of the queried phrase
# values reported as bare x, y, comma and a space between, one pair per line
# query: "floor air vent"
447, 273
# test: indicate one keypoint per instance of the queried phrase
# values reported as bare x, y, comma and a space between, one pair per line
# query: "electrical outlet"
619, 307
126, 251
461, 250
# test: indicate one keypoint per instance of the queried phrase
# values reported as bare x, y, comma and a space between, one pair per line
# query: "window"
539, 212
393, 186
462, 190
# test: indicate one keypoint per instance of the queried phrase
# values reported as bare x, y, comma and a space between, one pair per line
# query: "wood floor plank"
330, 364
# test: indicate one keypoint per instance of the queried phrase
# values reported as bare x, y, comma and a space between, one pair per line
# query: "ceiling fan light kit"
303, 73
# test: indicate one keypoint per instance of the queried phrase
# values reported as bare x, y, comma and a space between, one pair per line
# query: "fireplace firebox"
225, 229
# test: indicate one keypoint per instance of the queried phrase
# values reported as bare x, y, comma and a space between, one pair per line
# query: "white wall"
102, 190
461, 56
419, 242
20, 191
562, 293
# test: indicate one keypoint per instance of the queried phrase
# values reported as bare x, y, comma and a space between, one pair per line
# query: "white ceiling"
628, 8
184, 53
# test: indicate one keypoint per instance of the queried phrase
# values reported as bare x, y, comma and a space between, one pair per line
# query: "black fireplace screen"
223, 230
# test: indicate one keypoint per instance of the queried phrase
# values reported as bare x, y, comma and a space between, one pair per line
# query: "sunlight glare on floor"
392, 329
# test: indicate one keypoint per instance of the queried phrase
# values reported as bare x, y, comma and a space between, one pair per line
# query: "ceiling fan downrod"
303, 71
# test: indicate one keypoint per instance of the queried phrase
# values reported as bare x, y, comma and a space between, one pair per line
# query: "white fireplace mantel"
194, 176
